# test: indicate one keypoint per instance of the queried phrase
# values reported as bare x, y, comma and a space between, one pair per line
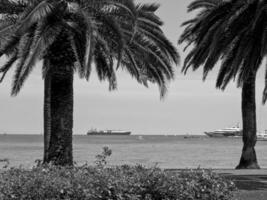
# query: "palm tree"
69, 36
233, 33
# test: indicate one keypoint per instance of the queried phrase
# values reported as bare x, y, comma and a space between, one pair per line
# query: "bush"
111, 183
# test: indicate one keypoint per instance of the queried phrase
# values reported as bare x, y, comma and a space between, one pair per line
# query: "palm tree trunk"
47, 114
58, 122
248, 158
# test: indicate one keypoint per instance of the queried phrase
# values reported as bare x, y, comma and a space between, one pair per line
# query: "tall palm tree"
70, 35
233, 34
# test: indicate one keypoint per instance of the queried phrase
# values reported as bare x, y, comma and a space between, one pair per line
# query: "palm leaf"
5, 68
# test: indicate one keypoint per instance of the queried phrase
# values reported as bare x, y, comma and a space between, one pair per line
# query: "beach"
169, 152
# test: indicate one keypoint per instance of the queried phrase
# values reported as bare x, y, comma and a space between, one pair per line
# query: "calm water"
166, 151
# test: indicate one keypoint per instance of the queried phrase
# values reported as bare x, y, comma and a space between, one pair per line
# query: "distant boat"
140, 137
188, 136
235, 131
107, 132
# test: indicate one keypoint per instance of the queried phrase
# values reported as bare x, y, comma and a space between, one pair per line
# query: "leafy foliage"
5, 161
118, 182
231, 32
101, 159
81, 32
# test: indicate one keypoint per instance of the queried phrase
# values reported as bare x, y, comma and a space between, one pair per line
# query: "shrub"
5, 161
111, 183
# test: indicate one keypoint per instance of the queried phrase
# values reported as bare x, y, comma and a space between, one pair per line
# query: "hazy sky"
191, 106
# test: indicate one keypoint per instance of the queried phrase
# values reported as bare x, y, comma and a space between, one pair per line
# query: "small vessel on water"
140, 137
108, 132
235, 131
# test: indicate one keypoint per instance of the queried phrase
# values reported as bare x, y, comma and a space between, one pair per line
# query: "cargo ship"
235, 131
108, 132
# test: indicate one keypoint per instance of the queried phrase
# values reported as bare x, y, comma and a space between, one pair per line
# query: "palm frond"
152, 7
148, 48
100, 31
133, 68
23, 50
11, 7
81, 39
111, 28
34, 13
5, 68
230, 31
104, 67
204, 4
127, 5
43, 37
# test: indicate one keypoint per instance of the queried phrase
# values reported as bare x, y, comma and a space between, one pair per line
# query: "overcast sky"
191, 106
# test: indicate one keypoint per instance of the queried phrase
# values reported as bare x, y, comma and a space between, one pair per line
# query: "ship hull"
212, 134
109, 133
261, 139
224, 134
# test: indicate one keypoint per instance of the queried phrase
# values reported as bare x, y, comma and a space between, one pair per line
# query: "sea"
170, 152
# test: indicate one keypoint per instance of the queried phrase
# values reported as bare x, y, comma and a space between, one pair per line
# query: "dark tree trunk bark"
58, 122
248, 158
47, 113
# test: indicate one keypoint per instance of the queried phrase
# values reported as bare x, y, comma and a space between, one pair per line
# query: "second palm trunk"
248, 158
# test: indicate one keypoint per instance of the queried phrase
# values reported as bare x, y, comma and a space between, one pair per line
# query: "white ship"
235, 131
262, 136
